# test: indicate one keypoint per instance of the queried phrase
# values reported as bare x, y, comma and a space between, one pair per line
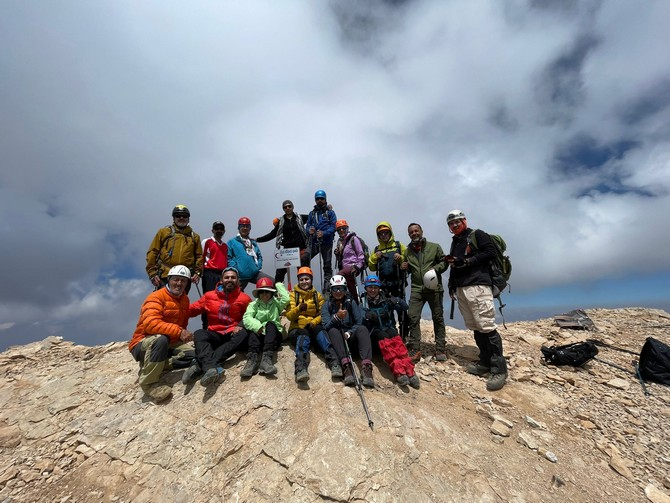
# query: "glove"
369, 315
302, 307
459, 262
347, 335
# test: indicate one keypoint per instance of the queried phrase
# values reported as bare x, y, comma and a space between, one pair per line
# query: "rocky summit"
75, 427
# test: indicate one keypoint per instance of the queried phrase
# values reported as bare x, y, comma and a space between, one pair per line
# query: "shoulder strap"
472, 237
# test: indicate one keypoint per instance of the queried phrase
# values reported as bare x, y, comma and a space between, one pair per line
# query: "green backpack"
500, 267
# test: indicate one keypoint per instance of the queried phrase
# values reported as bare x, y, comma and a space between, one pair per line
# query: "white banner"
287, 257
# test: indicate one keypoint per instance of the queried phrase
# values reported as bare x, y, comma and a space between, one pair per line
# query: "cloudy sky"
546, 122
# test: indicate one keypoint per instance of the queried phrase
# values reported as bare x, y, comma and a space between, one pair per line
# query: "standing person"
290, 233
173, 245
261, 320
378, 309
160, 339
245, 255
343, 319
425, 262
304, 313
320, 228
386, 261
224, 307
470, 283
215, 260
350, 256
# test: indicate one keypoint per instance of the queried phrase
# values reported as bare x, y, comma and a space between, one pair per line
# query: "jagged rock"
621, 466
86, 432
618, 383
500, 429
655, 495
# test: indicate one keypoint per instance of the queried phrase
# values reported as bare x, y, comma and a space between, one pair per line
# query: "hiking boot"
251, 367
414, 382
414, 355
368, 381
349, 379
495, 381
403, 380
211, 376
440, 356
157, 392
336, 371
191, 374
477, 369
302, 376
266, 366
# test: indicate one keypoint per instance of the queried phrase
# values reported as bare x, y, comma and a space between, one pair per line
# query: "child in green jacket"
261, 320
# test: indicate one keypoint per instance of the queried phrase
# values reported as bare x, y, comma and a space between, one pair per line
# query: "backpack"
387, 268
500, 267
366, 250
655, 361
576, 354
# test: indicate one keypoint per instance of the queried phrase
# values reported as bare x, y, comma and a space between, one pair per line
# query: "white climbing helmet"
338, 280
180, 270
431, 280
455, 215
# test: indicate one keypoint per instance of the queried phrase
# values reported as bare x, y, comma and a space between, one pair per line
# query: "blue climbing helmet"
320, 194
372, 280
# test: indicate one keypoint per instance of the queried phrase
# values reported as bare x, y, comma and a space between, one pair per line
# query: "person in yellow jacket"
304, 313
173, 245
386, 260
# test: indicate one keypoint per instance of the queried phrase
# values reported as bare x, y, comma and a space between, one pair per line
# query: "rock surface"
74, 427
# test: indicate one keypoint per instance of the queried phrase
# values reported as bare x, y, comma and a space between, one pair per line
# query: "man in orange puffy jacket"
160, 339
224, 307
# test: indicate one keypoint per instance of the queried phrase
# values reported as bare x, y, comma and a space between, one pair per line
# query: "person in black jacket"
290, 233
470, 283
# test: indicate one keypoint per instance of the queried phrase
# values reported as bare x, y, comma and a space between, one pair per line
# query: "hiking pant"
280, 274
491, 351
475, 303
303, 338
435, 299
326, 251
155, 354
351, 283
393, 351
262, 343
213, 348
359, 337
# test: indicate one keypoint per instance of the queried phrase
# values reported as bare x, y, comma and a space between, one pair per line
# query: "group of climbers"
378, 317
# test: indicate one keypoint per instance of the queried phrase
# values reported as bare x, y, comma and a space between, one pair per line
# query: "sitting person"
343, 320
160, 339
304, 313
224, 307
262, 322
378, 318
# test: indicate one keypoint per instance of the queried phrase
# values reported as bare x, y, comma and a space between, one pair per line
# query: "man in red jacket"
160, 339
224, 307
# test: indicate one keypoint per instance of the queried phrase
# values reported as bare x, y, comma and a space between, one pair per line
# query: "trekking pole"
318, 247
359, 386
198, 289
639, 377
451, 311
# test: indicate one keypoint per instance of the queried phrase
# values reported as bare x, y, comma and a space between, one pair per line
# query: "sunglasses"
320, 199
340, 289
384, 233
181, 216
219, 229
287, 206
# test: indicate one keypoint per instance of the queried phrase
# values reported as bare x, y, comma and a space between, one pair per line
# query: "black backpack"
655, 361
576, 354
